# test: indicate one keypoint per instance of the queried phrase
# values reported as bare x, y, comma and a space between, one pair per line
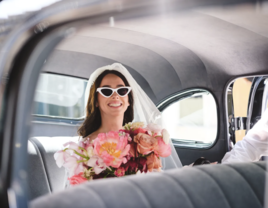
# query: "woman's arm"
253, 146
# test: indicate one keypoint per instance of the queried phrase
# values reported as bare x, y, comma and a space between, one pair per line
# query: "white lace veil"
144, 109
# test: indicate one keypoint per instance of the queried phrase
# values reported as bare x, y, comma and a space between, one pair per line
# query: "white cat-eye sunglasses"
107, 91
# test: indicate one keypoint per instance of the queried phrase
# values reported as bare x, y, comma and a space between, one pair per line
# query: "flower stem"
81, 155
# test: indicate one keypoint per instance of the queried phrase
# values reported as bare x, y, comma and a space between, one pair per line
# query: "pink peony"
112, 147
77, 179
162, 149
120, 172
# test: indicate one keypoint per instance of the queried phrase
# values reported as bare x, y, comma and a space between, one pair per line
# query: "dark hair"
93, 117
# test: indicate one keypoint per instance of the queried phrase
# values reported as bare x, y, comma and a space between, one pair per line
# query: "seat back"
233, 185
36, 173
42, 166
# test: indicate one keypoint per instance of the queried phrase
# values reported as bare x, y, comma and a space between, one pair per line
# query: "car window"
246, 101
192, 120
60, 96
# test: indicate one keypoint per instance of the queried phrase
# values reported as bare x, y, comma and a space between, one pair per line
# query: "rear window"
60, 96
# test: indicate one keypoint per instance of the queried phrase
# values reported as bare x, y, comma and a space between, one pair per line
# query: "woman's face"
114, 105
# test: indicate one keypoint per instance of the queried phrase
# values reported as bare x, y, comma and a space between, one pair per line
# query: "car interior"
203, 64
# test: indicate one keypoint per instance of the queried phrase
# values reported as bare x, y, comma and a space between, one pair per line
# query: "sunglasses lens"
107, 92
122, 91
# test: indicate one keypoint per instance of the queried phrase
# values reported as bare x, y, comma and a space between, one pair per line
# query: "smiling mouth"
115, 105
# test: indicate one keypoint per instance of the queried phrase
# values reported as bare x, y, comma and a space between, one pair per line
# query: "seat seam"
142, 196
260, 166
217, 185
96, 194
183, 188
42, 164
247, 183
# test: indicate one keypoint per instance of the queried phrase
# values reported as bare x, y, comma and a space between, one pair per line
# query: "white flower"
127, 126
59, 156
137, 125
97, 164
153, 128
166, 136
90, 151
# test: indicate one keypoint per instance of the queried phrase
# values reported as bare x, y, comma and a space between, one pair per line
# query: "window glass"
60, 96
192, 121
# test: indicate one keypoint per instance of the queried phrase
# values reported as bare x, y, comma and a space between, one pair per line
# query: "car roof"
170, 52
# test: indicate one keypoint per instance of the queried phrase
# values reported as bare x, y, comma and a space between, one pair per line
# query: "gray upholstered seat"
209, 186
42, 166
37, 172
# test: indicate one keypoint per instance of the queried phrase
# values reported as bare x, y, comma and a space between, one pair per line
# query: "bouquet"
115, 154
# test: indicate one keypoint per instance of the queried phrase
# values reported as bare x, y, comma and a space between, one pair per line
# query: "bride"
116, 99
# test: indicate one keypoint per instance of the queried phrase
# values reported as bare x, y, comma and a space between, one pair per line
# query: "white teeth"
115, 105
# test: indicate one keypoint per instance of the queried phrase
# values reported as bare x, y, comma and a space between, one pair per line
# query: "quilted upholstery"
209, 186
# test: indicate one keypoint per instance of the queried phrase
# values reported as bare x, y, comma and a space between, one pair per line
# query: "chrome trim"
191, 143
181, 94
250, 107
55, 123
264, 96
59, 117
226, 112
